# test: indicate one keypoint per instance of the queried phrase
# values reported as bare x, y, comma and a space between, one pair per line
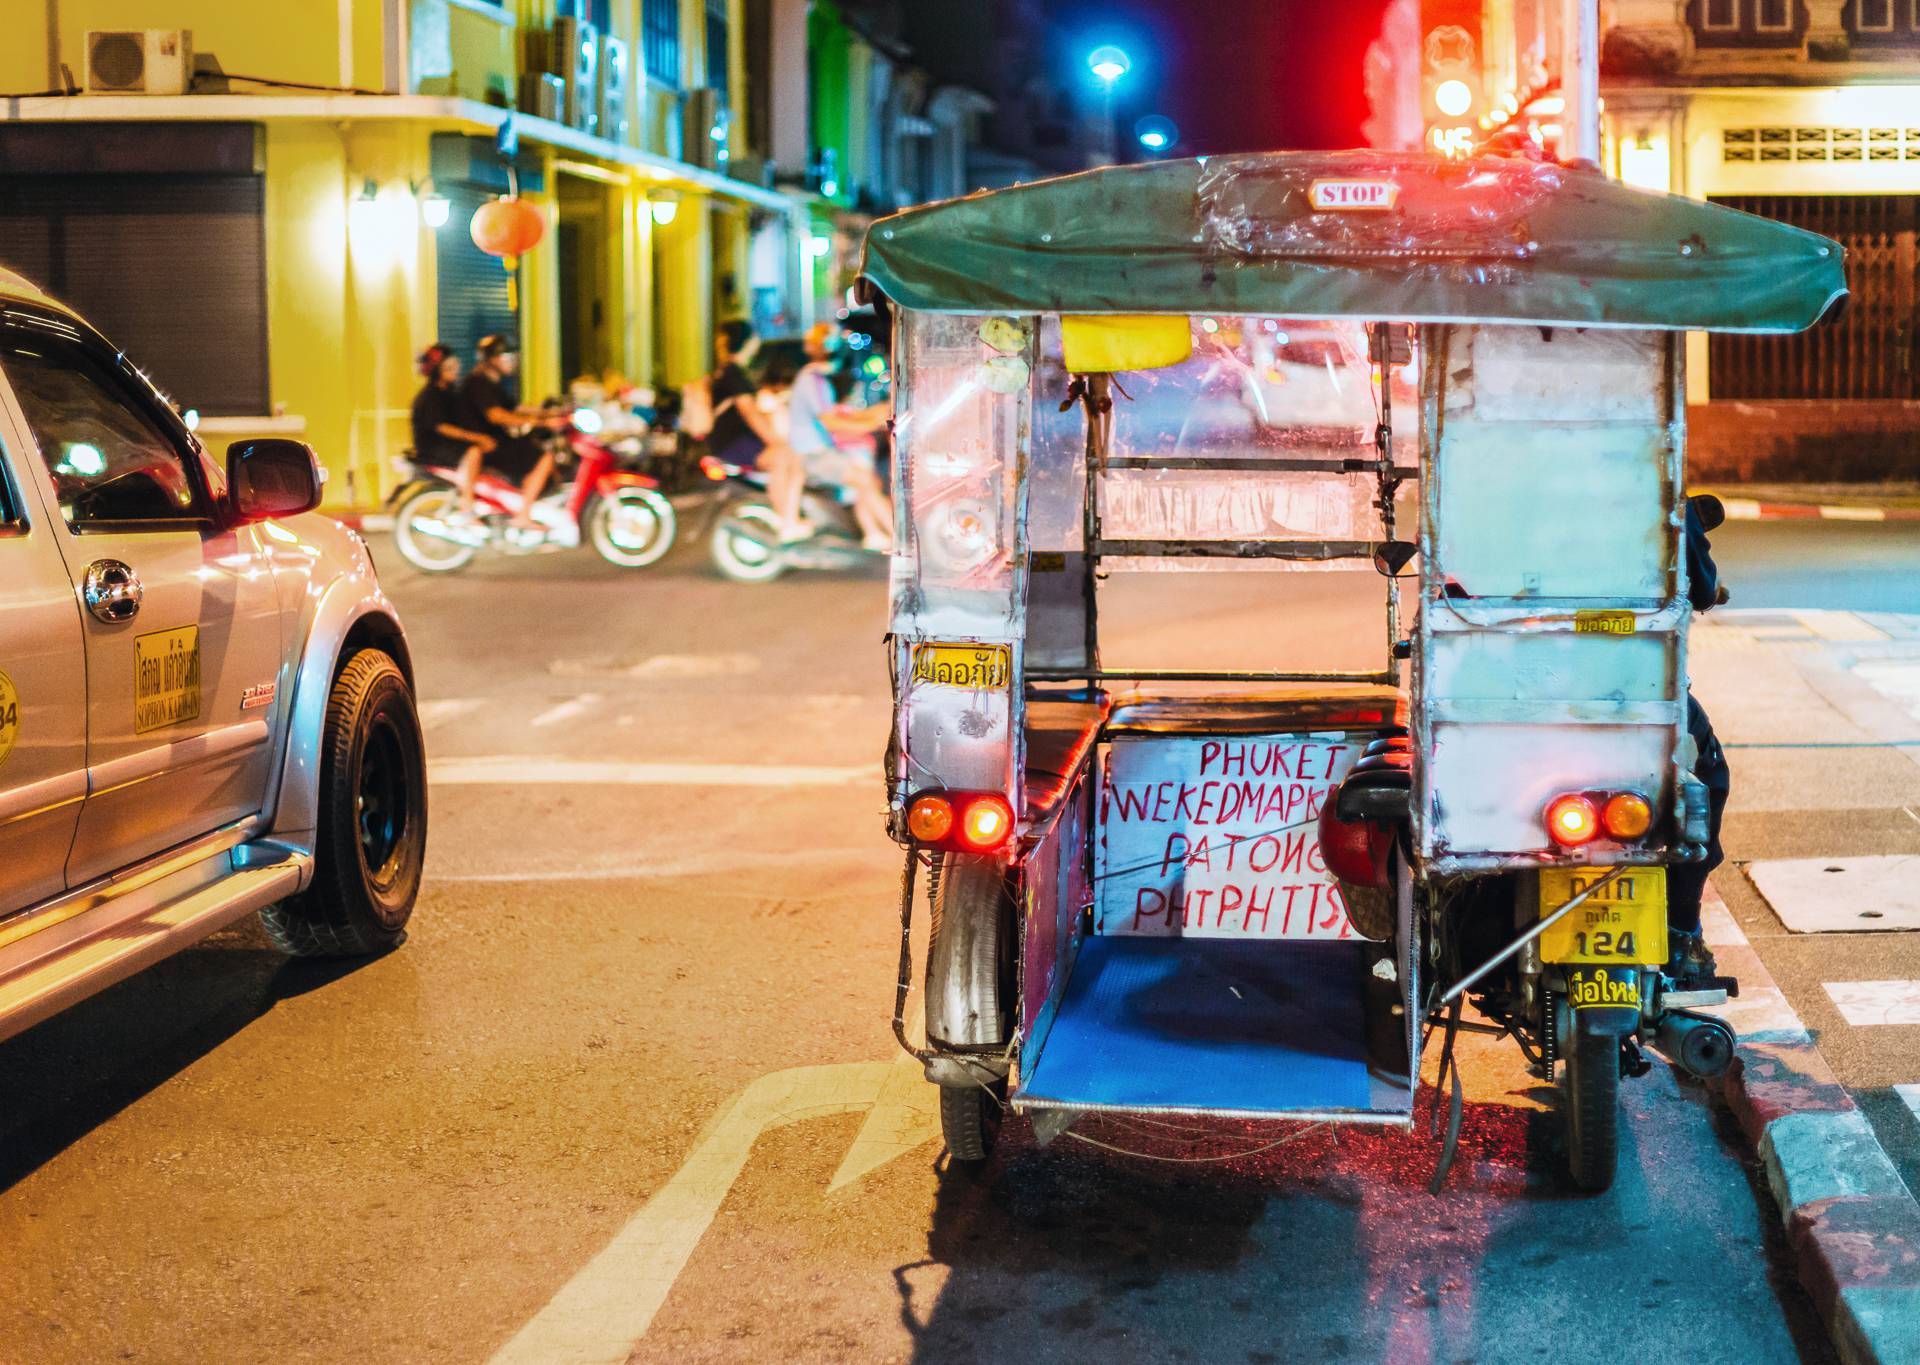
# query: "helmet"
429, 360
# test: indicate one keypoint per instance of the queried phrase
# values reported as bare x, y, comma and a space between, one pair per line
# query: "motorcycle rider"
440, 435
818, 423
516, 456
744, 432
1690, 963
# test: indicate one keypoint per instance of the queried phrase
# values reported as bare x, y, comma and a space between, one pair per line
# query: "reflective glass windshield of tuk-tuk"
1266, 433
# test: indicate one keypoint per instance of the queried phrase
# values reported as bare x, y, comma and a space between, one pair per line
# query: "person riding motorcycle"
516, 456
818, 424
441, 435
1690, 963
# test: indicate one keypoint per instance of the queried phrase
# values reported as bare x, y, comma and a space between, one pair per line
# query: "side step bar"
62, 964
1237, 549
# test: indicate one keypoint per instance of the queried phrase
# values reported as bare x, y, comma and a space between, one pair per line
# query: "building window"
1748, 23
1883, 21
660, 40
717, 45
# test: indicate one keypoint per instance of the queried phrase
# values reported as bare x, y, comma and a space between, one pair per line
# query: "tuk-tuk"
1201, 889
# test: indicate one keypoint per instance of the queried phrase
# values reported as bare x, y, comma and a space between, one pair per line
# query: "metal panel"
1550, 649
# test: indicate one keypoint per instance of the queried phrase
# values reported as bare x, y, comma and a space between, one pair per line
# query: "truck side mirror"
271, 477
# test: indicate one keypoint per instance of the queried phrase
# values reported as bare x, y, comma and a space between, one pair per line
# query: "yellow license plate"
1623, 923
979, 668
166, 678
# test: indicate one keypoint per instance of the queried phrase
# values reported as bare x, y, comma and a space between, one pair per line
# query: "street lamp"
1108, 64
1156, 133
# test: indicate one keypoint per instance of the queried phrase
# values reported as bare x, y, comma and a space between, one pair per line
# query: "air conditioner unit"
139, 61
613, 90
576, 60
542, 95
704, 136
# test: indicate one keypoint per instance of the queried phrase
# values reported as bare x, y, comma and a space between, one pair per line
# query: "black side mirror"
271, 477
1391, 556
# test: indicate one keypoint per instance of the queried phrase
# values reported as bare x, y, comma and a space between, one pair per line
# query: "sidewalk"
1832, 501
1820, 714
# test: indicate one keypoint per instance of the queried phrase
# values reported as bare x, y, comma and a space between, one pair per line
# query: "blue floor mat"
1212, 1024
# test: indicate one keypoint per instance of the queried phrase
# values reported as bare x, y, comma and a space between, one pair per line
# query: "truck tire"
372, 835
970, 955
1591, 1089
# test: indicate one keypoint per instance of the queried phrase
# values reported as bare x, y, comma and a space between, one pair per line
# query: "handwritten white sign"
1219, 837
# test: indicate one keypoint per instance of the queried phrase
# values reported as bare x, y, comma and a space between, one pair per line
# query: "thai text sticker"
9, 716
166, 678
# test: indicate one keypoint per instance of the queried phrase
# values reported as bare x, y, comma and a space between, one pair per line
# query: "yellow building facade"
278, 244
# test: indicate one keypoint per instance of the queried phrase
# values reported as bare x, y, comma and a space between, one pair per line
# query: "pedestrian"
1690, 963
516, 456
835, 442
440, 433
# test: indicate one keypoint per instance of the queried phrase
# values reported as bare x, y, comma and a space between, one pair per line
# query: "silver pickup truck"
206, 702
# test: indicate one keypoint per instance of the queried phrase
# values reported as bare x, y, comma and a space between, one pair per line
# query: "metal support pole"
1580, 75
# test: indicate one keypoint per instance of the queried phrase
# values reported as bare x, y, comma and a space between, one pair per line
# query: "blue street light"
1156, 132
1108, 64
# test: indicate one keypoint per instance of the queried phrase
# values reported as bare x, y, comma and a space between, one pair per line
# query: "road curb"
1748, 509
1851, 1223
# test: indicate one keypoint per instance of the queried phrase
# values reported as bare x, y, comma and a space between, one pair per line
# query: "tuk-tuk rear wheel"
970, 1119
1590, 1090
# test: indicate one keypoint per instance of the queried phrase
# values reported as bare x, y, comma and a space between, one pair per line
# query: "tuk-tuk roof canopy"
1389, 235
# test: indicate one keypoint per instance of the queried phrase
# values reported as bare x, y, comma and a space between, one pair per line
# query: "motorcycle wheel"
1590, 1095
633, 528
740, 554
427, 552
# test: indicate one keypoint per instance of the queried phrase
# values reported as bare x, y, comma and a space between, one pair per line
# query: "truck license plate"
1623, 922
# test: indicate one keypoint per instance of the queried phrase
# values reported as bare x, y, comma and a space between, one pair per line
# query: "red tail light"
972, 822
985, 823
713, 469
1573, 820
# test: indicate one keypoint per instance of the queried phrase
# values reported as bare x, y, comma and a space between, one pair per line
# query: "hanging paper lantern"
507, 227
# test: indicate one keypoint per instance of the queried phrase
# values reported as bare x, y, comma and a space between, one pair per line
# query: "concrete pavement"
236, 1158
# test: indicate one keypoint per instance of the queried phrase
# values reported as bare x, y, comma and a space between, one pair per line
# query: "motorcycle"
621, 513
743, 532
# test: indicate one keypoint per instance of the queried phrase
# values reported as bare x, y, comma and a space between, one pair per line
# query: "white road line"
1865, 1004
511, 771
602, 1311
566, 710
434, 714
713, 865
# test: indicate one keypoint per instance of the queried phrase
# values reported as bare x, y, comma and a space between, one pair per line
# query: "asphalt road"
631, 1086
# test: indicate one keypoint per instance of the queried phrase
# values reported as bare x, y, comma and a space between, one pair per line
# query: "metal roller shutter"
171, 268
472, 285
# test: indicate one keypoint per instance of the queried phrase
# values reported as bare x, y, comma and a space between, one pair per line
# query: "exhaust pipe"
1697, 1043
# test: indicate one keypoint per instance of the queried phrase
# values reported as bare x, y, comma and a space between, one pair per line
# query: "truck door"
178, 615
43, 699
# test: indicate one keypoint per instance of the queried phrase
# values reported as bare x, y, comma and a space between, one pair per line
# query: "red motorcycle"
621, 513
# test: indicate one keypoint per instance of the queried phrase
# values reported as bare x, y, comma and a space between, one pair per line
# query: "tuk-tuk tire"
970, 985
1591, 1090
970, 1120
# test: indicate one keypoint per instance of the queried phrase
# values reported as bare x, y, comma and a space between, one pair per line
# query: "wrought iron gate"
1870, 350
